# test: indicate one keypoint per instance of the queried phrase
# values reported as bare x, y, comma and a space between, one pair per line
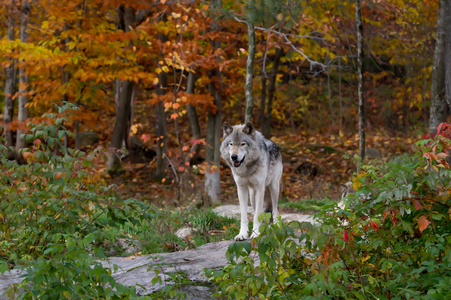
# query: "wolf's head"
237, 143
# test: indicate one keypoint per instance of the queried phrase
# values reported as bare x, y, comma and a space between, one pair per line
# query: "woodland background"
156, 79
112, 115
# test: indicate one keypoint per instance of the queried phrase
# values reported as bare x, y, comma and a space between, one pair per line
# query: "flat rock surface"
133, 270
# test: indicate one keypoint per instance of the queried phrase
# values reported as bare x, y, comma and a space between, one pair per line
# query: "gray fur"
256, 165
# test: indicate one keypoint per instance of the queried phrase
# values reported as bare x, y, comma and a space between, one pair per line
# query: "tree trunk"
10, 89
360, 55
329, 93
438, 110
290, 91
114, 165
266, 128
123, 99
339, 95
212, 157
212, 177
160, 120
193, 121
448, 53
23, 77
250, 63
263, 100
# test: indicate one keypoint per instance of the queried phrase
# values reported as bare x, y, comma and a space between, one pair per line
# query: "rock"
88, 138
298, 217
372, 153
184, 232
122, 246
230, 211
11, 277
133, 270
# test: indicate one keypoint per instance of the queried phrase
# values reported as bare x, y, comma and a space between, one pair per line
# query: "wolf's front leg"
259, 195
243, 197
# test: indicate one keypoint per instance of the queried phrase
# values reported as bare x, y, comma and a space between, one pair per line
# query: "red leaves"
374, 225
417, 204
345, 236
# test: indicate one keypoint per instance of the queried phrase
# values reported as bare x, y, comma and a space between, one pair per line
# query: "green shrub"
50, 209
394, 246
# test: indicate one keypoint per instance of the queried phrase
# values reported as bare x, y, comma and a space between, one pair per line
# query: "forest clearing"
112, 124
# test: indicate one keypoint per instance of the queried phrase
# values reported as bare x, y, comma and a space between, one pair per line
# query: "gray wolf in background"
256, 165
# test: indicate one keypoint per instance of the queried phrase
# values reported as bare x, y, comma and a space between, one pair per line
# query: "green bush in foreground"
48, 220
395, 245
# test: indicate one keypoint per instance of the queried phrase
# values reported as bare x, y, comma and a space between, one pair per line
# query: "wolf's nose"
234, 157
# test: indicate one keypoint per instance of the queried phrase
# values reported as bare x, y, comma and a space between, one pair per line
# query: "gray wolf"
256, 165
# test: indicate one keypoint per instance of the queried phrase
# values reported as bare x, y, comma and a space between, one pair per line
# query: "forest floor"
314, 167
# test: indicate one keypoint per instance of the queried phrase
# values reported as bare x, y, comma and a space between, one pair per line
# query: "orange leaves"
423, 223
28, 155
58, 175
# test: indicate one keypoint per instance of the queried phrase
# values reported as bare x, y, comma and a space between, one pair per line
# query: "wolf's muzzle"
236, 162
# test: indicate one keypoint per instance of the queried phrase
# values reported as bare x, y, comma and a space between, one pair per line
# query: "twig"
172, 167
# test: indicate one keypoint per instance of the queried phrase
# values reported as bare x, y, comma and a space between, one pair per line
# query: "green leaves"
392, 245
46, 224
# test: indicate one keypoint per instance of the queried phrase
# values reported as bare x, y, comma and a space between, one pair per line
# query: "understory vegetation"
58, 220
391, 241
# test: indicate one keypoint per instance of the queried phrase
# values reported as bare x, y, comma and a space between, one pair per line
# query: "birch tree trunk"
250, 62
360, 55
10, 89
23, 77
438, 109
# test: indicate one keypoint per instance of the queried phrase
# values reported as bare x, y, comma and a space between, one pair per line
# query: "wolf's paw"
241, 236
255, 234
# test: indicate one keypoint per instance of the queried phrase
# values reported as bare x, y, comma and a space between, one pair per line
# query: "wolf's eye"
230, 144
243, 144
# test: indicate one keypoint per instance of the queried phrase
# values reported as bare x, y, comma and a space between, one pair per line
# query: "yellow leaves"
134, 129
176, 15
423, 223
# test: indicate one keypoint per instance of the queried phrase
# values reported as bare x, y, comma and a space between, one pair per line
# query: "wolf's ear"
226, 129
249, 128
